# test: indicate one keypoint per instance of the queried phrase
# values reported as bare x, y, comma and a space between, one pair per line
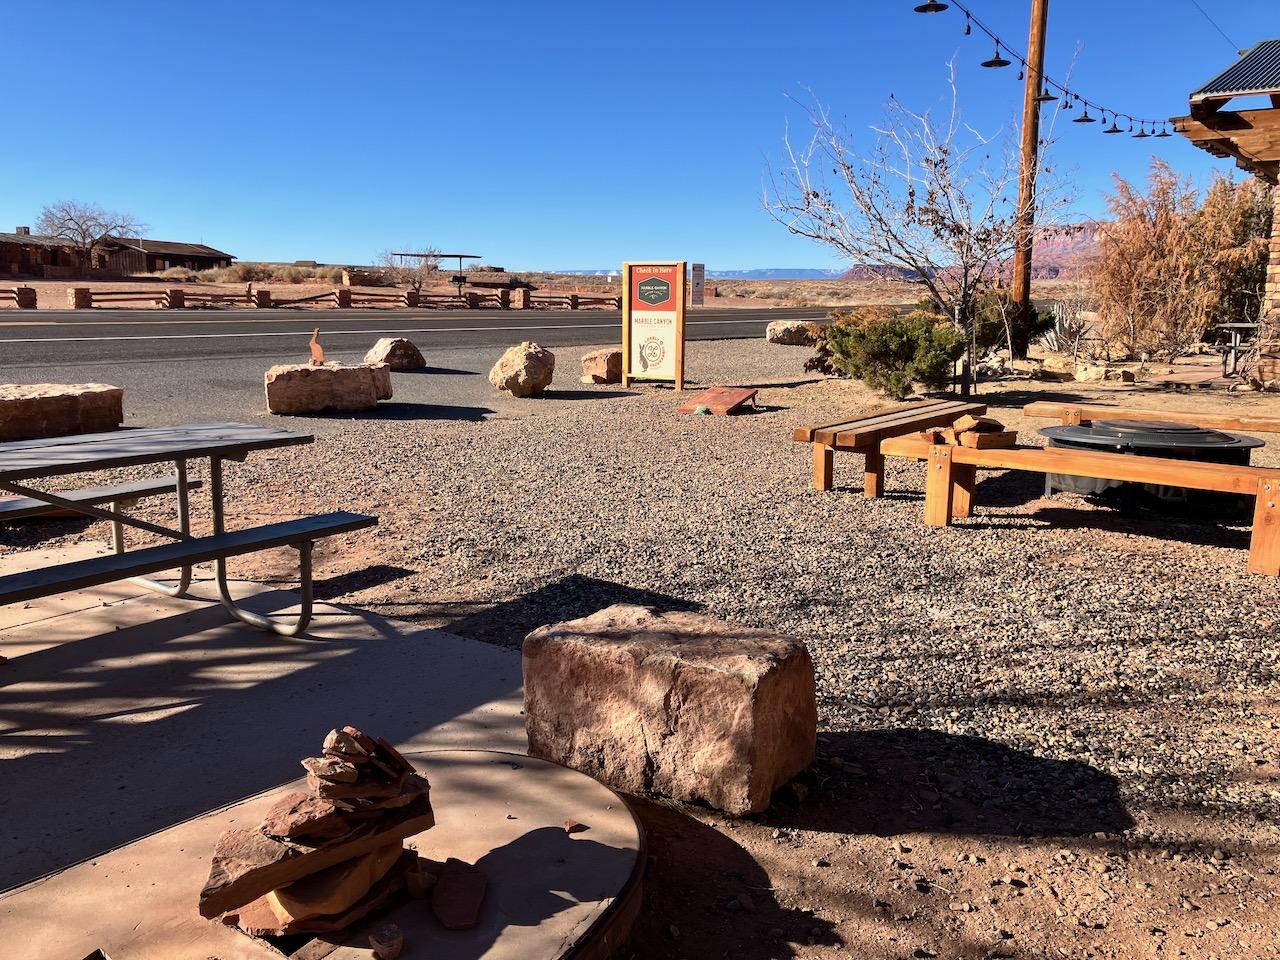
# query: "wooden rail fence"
84, 298
23, 298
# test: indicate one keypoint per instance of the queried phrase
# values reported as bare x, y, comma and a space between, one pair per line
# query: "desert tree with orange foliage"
1172, 263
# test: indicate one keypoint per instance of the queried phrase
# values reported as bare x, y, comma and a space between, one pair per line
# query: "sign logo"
652, 352
654, 290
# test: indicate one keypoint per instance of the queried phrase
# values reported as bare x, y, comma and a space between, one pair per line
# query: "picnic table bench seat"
950, 481
862, 434
95, 571
20, 508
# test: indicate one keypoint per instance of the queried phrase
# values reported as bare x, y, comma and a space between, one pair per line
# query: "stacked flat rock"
322, 860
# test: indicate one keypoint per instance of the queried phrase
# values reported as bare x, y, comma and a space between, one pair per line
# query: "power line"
1234, 46
1070, 97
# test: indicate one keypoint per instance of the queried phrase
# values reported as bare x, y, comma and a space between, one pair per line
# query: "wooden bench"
96, 571
862, 434
950, 481
1084, 413
21, 508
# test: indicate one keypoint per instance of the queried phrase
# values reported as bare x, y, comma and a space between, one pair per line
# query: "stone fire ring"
552, 893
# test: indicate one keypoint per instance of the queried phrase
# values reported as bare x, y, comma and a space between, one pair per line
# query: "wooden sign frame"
677, 297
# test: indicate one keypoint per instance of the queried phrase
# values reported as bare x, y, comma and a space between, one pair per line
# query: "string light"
1069, 97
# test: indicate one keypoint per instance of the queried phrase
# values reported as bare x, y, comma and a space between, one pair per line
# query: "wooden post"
965, 477
573, 301
79, 298
342, 298
24, 298
939, 486
175, 298
1264, 544
873, 474
1025, 214
823, 466
262, 298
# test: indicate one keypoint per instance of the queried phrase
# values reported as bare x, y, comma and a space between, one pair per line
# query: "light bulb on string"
1046, 95
931, 7
1084, 117
1114, 128
1142, 132
968, 27
1164, 132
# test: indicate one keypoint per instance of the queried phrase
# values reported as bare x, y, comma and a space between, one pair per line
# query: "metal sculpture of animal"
317, 351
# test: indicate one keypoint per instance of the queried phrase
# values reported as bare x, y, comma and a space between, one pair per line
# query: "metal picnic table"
27, 460
1239, 345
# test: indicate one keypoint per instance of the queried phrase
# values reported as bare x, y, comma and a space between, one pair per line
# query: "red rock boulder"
672, 703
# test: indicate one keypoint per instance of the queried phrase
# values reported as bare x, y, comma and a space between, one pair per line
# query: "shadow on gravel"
574, 596
446, 371
713, 891
373, 576
587, 394
420, 411
1020, 398
908, 781
1109, 521
36, 530
1012, 488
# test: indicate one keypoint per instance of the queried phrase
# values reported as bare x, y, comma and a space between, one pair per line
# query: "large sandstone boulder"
792, 333
602, 366
334, 387
30, 411
397, 353
674, 703
524, 370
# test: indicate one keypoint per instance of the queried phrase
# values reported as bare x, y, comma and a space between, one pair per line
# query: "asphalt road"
62, 338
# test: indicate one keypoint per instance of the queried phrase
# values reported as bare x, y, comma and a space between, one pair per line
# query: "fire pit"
1152, 438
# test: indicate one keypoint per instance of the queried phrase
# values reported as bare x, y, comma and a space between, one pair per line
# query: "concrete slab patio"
123, 713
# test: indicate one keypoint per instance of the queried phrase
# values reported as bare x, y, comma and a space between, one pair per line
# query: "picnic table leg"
184, 526
939, 486
965, 477
873, 474
823, 466
1264, 543
269, 624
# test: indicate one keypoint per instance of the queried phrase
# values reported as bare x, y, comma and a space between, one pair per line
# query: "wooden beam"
939, 486
873, 474
1086, 413
823, 466
1264, 545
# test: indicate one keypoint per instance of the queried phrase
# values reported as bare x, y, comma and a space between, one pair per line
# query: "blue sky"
548, 135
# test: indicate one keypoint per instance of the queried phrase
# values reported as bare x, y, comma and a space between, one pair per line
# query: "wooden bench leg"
965, 476
823, 466
873, 474
939, 486
1264, 544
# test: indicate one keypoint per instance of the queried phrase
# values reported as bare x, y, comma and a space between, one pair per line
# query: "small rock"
387, 942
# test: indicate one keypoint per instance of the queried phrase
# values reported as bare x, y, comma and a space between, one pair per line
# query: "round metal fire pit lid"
1150, 434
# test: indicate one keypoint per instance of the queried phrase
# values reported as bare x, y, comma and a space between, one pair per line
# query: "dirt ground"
1051, 731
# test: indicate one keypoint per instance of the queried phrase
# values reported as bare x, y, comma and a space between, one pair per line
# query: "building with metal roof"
1251, 137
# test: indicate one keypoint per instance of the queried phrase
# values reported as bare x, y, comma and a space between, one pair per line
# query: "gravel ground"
1048, 693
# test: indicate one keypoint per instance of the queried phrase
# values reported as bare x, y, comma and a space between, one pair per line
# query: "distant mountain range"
1062, 254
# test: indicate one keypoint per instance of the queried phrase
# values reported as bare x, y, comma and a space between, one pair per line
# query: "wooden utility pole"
1024, 226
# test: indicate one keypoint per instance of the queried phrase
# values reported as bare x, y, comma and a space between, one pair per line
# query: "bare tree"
931, 198
413, 269
86, 226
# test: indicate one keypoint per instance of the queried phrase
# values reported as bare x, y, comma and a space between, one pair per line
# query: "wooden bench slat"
19, 508
805, 434
1048, 410
95, 571
873, 429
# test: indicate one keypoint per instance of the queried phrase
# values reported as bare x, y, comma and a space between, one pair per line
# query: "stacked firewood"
982, 433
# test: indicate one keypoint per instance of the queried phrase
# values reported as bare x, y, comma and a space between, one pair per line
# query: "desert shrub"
999, 325
823, 361
176, 273
245, 273
894, 353
291, 274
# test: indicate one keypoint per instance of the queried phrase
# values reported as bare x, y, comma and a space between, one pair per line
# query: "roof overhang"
1250, 137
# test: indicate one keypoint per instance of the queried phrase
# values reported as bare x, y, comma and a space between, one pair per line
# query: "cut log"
971, 424
989, 441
